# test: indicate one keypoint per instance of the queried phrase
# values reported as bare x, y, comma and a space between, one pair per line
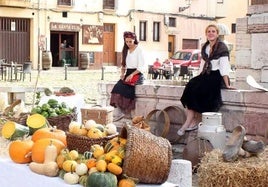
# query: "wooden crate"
101, 115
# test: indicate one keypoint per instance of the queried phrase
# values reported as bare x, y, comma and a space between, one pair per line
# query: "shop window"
156, 31
233, 28
143, 29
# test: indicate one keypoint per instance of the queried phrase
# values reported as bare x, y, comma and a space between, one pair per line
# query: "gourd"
35, 122
49, 132
71, 178
69, 165
101, 179
49, 167
126, 183
13, 131
80, 130
111, 128
94, 133
91, 163
19, 151
97, 150
81, 169
83, 180
90, 123
114, 168
38, 149
111, 145
101, 165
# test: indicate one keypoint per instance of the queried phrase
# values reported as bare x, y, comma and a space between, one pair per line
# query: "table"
76, 100
14, 175
12, 68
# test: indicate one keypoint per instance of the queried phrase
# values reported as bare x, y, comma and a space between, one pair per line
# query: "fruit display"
45, 152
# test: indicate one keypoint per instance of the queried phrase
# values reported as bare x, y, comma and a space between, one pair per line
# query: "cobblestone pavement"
83, 82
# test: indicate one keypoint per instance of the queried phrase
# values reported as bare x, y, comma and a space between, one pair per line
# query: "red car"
186, 57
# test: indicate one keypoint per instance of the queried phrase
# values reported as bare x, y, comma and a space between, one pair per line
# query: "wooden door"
171, 45
109, 45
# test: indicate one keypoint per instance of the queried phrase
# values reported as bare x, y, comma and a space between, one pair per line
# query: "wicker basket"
62, 122
148, 157
21, 119
83, 143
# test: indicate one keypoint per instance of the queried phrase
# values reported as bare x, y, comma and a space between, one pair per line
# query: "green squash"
12, 130
35, 122
101, 179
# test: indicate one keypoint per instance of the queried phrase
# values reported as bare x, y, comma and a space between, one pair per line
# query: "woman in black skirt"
203, 92
133, 63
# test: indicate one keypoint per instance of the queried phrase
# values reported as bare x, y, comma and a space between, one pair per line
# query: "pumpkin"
79, 130
97, 150
35, 122
19, 151
111, 128
60, 159
81, 169
126, 183
111, 145
13, 131
49, 132
69, 165
90, 123
114, 168
38, 149
101, 179
71, 178
83, 180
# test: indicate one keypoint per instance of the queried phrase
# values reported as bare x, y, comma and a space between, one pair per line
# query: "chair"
26, 69
150, 71
3, 69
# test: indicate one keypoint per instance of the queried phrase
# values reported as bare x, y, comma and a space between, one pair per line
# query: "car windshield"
181, 55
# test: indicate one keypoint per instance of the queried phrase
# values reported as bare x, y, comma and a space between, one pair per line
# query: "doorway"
64, 48
171, 45
109, 45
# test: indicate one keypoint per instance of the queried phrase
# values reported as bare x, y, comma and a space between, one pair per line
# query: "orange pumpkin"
38, 149
91, 163
19, 150
128, 182
49, 133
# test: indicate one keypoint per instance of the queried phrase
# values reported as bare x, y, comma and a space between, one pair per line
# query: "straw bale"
246, 172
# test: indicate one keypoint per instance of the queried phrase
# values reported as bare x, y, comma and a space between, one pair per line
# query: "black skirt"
203, 93
123, 95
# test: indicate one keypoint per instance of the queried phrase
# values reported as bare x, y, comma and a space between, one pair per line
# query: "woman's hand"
128, 78
122, 76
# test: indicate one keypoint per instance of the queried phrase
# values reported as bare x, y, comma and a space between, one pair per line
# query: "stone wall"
241, 107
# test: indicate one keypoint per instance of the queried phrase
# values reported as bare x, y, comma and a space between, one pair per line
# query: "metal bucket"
211, 129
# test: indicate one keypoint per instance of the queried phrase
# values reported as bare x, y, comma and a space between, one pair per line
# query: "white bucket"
211, 129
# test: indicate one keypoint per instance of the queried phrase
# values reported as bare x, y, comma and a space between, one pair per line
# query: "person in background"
168, 69
155, 68
203, 92
133, 64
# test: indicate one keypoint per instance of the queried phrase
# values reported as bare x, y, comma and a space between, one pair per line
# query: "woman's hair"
133, 36
213, 25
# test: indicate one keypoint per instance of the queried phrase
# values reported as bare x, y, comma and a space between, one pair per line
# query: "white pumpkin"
89, 124
110, 128
71, 178
81, 169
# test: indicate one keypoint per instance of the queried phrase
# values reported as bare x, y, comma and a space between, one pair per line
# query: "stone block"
241, 25
181, 173
243, 58
243, 41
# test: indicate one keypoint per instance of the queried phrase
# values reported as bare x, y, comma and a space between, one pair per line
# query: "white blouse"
222, 64
135, 60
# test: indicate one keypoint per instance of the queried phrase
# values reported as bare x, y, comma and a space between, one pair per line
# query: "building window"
233, 28
108, 4
65, 2
220, 1
156, 32
143, 29
172, 22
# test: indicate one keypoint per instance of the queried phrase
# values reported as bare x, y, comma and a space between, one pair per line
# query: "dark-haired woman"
133, 63
203, 92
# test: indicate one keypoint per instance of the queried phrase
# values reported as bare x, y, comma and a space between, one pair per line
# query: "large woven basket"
83, 143
147, 157
62, 122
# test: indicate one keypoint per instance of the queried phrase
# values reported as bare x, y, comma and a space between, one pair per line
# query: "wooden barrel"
46, 60
84, 60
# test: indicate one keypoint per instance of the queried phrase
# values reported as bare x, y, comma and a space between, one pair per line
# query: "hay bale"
249, 172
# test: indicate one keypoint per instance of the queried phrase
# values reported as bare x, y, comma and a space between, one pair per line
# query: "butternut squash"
49, 169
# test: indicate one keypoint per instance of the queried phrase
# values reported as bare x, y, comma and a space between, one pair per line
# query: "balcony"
16, 3
65, 3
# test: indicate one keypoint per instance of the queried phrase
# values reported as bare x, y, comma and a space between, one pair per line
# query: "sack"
133, 81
